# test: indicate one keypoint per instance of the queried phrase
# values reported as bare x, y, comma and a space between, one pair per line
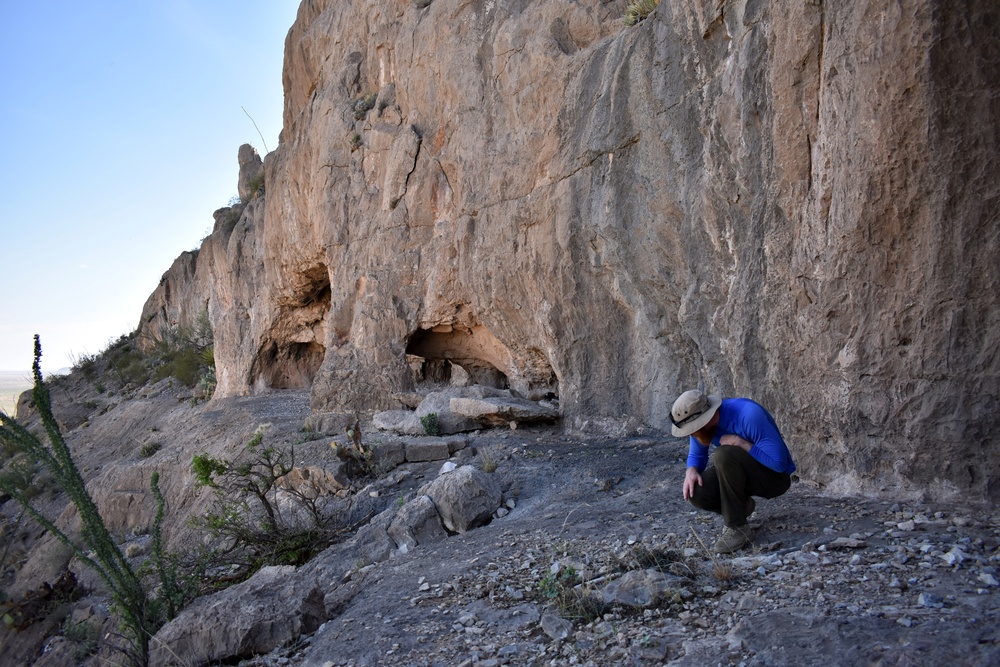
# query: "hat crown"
690, 403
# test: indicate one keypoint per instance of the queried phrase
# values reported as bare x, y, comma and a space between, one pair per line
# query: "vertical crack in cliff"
413, 166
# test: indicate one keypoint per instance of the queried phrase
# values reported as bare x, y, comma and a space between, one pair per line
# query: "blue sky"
119, 128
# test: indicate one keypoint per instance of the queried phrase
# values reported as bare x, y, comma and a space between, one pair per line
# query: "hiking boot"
733, 538
751, 506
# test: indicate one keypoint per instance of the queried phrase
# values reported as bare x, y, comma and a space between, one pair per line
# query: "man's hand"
736, 441
691, 477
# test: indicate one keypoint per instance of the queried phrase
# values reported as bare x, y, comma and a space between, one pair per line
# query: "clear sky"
120, 122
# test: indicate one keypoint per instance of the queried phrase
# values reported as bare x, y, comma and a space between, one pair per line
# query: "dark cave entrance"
437, 355
292, 356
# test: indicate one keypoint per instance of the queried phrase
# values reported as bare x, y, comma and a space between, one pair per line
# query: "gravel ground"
828, 580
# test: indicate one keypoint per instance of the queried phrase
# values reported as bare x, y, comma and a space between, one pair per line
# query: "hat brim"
714, 401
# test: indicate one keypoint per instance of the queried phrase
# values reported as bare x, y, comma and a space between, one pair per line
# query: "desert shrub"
638, 10
185, 353
232, 215
149, 449
126, 363
85, 637
86, 365
574, 600
363, 105
256, 184
431, 424
249, 524
487, 460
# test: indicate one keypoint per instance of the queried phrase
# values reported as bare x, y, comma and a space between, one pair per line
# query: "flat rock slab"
495, 411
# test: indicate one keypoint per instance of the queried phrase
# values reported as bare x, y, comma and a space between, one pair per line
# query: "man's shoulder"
740, 404
745, 408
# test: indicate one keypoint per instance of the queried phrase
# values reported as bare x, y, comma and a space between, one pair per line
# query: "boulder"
465, 498
642, 588
417, 522
314, 481
266, 611
398, 421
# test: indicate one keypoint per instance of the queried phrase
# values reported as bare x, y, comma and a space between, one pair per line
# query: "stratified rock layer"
791, 201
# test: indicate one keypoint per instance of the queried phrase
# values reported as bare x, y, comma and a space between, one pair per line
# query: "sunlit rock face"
791, 201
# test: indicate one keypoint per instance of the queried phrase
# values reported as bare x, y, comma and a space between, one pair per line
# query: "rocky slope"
593, 558
792, 201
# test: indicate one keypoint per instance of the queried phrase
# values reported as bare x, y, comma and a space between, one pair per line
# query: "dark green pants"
732, 478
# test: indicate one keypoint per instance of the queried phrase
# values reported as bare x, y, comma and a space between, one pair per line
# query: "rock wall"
793, 201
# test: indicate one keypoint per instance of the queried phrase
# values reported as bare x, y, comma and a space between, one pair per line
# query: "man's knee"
728, 455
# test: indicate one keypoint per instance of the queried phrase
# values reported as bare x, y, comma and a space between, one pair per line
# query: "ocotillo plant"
98, 550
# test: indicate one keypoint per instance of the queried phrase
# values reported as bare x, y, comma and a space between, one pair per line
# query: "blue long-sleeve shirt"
750, 421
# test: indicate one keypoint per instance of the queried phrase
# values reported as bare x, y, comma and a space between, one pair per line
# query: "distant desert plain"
12, 383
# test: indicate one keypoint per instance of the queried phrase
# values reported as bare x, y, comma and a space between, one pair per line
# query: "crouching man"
750, 459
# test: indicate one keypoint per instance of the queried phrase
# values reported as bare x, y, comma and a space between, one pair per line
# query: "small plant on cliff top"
638, 10
256, 185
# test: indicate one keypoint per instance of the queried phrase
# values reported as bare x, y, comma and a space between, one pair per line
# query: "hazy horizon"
12, 383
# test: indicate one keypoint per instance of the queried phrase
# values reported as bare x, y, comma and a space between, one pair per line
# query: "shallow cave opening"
437, 355
295, 351
289, 366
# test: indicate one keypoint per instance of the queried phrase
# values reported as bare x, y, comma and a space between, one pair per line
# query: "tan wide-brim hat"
691, 411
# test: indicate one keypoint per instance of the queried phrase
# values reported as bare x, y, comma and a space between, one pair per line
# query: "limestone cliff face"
793, 201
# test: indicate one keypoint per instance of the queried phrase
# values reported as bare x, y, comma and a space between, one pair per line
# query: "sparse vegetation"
487, 460
638, 10
256, 185
259, 518
85, 636
363, 105
149, 449
232, 216
185, 353
572, 597
431, 424
721, 570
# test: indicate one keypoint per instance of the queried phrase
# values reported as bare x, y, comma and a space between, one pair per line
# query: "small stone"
930, 600
953, 557
555, 626
988, 579
904, 621
908, 526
